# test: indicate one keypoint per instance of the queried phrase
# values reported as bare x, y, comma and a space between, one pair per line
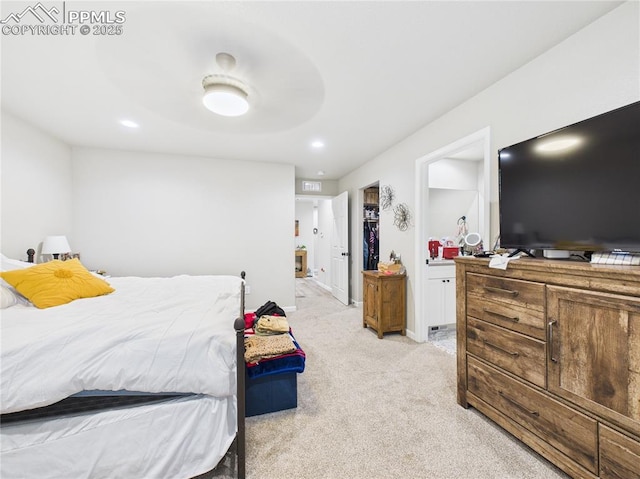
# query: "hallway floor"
308, 288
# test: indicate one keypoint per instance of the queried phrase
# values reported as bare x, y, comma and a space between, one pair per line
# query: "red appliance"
450, 252
433, 248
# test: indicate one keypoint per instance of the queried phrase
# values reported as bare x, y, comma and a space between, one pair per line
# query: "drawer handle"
551, 352
495, 346
515, 319
518, 405
510, 292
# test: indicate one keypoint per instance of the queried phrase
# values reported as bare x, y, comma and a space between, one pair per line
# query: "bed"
149, 371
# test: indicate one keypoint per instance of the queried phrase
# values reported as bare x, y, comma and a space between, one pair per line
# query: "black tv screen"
576, 188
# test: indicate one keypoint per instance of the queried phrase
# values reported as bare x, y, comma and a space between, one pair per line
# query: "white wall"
36, 187
453, 192
156, 215
593, 71
150, 214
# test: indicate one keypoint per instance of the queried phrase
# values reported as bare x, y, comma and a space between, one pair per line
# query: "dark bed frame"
240, 385
75, 405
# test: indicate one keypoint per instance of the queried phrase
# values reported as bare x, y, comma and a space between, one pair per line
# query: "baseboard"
322, 285
412, 335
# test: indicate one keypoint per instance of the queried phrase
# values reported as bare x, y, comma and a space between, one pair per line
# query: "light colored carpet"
371, 408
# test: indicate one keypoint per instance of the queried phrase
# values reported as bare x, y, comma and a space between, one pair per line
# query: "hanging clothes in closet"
370, 245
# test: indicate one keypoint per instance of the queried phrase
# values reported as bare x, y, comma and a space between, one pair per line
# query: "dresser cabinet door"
392, 313
370, 299
594, 352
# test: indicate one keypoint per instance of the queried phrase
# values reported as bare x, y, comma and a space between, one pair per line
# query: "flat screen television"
576, 188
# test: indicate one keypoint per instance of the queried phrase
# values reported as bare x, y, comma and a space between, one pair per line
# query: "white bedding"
177, 439
150, 335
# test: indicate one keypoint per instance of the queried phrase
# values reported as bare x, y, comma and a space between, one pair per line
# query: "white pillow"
8, 264
8, 298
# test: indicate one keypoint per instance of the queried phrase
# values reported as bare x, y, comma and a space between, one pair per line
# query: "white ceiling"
361, 76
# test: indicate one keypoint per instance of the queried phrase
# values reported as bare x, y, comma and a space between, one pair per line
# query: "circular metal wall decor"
402, 217
387, 195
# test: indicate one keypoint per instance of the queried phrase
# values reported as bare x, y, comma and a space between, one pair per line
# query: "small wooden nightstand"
301, 263
384, 298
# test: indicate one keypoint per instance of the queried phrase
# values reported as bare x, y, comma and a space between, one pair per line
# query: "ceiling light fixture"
224, 94
317, 144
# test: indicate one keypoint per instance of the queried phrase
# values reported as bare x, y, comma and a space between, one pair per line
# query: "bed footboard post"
240, 368
240, 439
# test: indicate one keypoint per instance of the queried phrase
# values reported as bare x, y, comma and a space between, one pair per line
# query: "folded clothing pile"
263, 330
268, 336
269, 325
263, 347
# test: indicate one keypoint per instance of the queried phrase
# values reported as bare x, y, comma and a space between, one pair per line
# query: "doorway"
322, 232
443, 179
370, 227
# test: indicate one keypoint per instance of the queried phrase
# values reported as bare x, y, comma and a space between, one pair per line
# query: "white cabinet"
441, 295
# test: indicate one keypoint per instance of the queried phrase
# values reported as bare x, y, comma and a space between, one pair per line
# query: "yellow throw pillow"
56, 282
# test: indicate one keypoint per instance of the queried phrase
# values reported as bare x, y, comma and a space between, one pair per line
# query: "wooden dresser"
384, 298
550, 351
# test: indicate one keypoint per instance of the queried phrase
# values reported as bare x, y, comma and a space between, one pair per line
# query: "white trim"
322, 285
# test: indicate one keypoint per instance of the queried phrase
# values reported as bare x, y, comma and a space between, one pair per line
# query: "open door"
340, 248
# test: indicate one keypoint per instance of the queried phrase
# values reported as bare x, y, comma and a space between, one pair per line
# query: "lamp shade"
225, 99
55, 245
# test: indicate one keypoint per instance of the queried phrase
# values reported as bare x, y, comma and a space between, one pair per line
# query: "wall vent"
313, 186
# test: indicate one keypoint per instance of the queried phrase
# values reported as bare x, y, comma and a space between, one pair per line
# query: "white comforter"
150, 335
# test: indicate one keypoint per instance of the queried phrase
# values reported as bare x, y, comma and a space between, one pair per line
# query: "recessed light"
129, 124
317, 144
320, 173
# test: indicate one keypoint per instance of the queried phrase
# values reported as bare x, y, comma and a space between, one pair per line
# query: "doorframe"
361, 219
421, 231
360, 239
315, 199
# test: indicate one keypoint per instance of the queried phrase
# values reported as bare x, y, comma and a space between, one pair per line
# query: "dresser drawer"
510, 303
567, 430
514, 352
516, 318
526, 294
619, 455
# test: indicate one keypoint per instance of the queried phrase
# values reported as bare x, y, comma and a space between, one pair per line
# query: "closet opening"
370, 225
